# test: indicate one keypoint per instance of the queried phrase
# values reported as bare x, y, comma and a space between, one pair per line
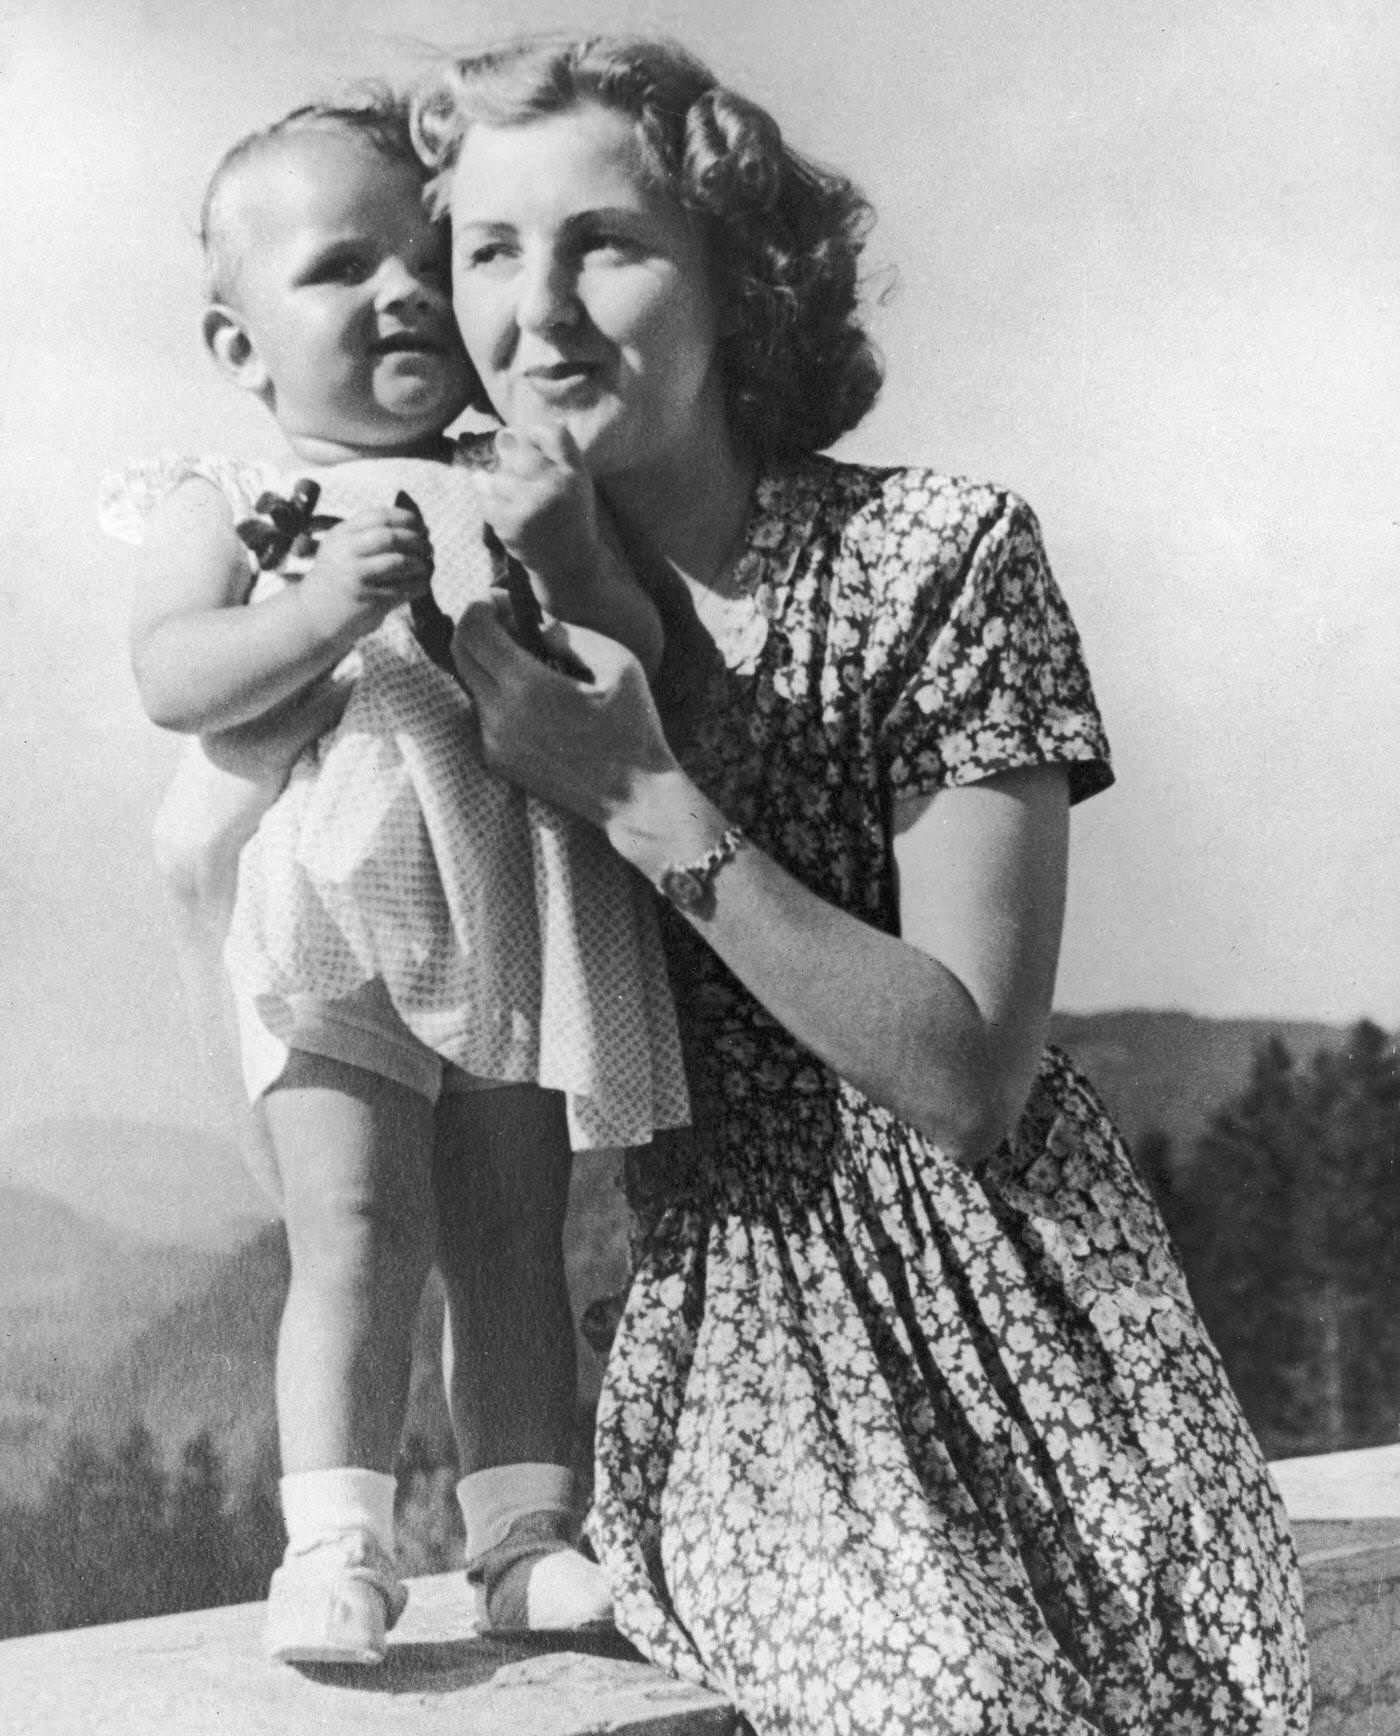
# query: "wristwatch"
691, 886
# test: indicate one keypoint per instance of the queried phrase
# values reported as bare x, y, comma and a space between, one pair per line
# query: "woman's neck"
689, 516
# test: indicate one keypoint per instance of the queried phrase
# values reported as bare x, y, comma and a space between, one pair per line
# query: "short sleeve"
993, 676
126, 498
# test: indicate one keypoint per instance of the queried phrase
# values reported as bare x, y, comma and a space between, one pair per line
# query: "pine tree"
199, 1533
104, 1528
1291, 1205
258, 1535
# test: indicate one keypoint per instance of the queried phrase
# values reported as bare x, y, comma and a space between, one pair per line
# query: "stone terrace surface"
1345, 1512
1351, 1580
205, 1675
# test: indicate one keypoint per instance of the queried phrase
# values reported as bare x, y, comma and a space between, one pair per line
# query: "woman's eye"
607, 242
485, 256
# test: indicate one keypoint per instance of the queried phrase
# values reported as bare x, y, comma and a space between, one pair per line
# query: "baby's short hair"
373, 114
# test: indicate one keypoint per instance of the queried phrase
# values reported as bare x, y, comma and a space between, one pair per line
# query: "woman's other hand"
540, 501
588, 747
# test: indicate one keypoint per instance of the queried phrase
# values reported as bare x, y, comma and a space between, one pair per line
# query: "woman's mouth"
561, 382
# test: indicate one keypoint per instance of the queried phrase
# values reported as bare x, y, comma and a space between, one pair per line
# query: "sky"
1141, 264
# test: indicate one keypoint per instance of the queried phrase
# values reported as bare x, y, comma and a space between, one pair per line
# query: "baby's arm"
541, 503
223, 785
204, 664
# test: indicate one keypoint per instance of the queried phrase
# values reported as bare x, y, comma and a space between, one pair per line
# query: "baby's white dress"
511, 939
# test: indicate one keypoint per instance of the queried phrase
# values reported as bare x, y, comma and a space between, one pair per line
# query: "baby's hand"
365, 568
540, 502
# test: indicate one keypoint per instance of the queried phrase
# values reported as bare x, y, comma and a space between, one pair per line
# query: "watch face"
685, 889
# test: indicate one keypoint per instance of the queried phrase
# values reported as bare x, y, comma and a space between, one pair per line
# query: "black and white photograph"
699, 942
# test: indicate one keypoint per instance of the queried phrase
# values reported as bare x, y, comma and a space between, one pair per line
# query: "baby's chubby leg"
501, 1179
354, 1152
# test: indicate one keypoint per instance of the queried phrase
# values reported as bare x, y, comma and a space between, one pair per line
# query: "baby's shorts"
363, 1030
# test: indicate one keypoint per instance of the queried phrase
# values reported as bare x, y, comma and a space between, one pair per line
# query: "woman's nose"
548, 296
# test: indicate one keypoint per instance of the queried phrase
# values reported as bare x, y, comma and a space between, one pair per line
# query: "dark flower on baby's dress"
285, 529
285, 533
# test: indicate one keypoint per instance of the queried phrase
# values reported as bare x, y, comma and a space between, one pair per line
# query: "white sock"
492, 1500
317, 1504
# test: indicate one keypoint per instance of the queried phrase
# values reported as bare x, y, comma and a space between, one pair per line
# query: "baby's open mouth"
412, 343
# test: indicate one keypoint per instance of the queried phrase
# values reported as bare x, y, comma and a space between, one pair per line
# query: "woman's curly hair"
784, 235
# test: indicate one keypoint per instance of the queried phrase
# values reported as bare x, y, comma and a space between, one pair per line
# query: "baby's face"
343, 289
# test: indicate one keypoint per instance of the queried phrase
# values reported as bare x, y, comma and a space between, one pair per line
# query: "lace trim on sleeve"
126, 498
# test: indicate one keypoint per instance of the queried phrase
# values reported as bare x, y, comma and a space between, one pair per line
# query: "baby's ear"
231, 344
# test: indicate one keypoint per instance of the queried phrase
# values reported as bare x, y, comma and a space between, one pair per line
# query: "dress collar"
744, 603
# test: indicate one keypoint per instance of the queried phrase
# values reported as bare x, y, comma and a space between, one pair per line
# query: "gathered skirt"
885, 1447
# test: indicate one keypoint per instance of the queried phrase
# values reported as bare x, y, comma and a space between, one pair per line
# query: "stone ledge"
1346, 1522
189, 1675
203, 1673
1351, 1585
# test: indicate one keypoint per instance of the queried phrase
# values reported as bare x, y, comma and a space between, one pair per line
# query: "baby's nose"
398, 284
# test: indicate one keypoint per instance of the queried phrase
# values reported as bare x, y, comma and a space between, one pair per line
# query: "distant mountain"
101, 1328
207, 1361
40, 1235
72, 1293
159, 1182
1170, 1071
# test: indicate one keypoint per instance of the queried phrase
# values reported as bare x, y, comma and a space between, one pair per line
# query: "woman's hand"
590, 747
540, 501
943, 1026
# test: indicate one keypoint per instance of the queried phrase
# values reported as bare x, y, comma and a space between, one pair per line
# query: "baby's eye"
350, 266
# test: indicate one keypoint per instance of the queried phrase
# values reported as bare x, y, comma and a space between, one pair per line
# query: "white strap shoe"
333, 1602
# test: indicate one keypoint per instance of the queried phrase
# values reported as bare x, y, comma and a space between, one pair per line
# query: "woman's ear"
228, 340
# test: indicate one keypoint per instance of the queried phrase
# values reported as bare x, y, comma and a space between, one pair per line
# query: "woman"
908, 1425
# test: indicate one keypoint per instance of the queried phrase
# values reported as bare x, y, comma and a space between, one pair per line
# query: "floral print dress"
886, 1446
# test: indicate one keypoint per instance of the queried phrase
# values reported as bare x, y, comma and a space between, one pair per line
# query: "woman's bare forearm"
888, 1018
943, 1027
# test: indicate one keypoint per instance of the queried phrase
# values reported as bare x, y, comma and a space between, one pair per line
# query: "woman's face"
583, 291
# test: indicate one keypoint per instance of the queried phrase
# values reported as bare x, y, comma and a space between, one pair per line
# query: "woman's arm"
942, 1026
202, 663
